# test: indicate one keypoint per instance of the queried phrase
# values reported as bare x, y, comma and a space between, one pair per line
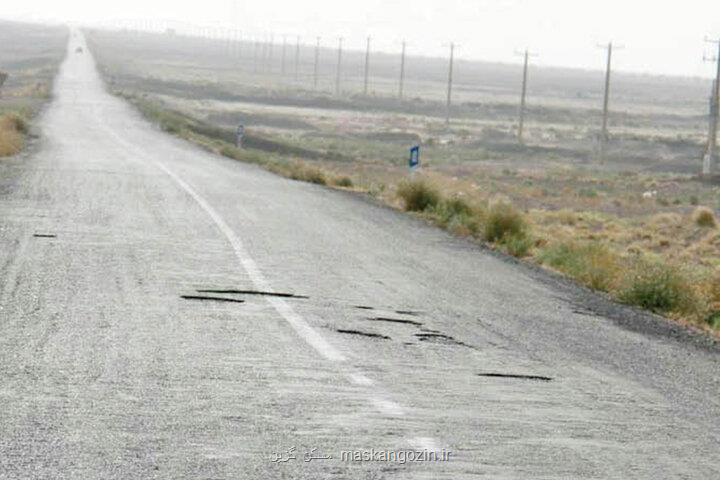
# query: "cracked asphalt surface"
409, 338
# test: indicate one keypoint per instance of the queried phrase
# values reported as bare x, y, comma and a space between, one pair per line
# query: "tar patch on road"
540, 378
441, 338
395, 320
211, 299
44, 235
363, 334
252, 292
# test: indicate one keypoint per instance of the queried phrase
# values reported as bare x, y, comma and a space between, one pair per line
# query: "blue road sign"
414, 161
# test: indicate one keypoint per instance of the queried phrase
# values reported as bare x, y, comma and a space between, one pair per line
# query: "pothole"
540, 378
362, 334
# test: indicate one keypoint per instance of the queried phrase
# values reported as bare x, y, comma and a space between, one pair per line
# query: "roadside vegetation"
640, 228
13, 129
30, 55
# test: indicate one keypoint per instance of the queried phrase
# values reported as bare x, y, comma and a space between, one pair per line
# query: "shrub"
344, 182
518, 245
503, 221
306, 173
457, 215
418, 195
713, 320
13, 121
458, 206
567, 217
12, 129
587, 193
704, 217
657, 287
694, 200
592, 264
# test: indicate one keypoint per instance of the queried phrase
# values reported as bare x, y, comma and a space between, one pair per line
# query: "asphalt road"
114, 365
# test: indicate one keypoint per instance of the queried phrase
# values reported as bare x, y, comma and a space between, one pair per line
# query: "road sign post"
414, 160
239, 134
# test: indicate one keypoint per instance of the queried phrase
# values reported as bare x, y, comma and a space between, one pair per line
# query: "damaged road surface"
106, 373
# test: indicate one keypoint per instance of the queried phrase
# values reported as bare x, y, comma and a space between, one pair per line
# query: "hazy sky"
659, 37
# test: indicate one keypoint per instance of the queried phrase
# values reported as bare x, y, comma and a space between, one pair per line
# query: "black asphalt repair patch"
441, 338
540, 378
363, 334
215, 299
44, 235
253, 292
395, 320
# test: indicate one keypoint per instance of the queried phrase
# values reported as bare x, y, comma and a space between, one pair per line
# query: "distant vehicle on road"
79, 50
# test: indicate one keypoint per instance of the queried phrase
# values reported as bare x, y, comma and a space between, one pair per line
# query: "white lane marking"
388, 407
301, 327
360, 379
424, 443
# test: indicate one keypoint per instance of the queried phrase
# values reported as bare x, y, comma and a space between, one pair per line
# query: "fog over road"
113, 365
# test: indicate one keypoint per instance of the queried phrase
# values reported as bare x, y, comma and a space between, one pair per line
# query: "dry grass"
503, 222
12, 134
592, 264
659, 287
704, 217
418, 195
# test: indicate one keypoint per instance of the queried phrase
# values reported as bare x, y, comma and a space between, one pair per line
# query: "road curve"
138, 338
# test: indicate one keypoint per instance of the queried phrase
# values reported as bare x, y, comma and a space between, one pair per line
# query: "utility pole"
317, 59
256, 47
262, 67
297, 58
339, 67
523, 94
237, 42
604, 136
606, 98
449, 86
367, 66
711, 153
240, 46
402, 72
282, 61
271, 45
